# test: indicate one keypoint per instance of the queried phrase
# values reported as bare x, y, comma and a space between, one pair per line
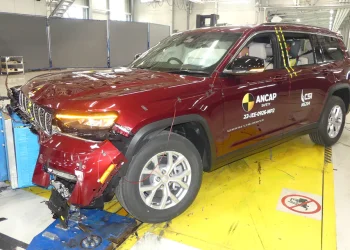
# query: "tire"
107, 197
134, 201
321, 136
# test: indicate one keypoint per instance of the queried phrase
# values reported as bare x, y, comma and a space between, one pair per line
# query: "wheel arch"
148, 131
341, 90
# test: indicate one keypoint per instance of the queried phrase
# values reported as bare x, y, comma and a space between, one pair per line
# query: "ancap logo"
248, 102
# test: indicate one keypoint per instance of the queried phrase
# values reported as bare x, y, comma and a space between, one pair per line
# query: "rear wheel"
331, 124
162, 179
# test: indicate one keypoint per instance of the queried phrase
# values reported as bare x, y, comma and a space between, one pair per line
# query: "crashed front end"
78, 165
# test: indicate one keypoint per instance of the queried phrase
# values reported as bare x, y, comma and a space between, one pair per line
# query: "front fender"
158, 126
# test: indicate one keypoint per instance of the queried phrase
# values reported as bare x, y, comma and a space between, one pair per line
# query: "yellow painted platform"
236, 207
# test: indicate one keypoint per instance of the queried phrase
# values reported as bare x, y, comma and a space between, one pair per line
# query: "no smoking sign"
300, 203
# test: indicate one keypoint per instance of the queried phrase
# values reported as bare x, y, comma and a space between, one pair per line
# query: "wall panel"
23, 35
78, 43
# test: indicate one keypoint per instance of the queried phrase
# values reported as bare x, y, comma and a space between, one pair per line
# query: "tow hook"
58, 202
61, 189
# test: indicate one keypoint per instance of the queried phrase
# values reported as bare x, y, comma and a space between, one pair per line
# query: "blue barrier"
3, 157
26, 150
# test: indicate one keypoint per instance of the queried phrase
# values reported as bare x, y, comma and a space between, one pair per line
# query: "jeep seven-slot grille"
40, 116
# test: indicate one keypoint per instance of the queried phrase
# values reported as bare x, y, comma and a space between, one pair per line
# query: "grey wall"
126, 40
78, 43
157, 32
74, 42
25, 36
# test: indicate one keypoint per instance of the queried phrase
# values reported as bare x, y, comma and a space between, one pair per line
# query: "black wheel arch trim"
158, 126
334, 88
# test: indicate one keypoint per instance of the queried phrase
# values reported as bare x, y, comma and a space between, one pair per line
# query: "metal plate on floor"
99, 230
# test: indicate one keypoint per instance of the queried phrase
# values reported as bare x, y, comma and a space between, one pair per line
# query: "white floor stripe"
341, 162
154, 242
25, 212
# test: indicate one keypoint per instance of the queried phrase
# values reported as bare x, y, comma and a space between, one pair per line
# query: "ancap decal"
305, 98
248, 102
266, 98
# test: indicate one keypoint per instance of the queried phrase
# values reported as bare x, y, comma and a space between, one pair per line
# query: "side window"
317, 48
261, 47
331, 48
300, 49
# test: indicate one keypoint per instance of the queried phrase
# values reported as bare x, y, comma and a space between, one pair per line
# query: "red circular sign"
305, 200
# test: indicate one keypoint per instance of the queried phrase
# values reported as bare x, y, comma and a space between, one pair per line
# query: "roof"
288, 26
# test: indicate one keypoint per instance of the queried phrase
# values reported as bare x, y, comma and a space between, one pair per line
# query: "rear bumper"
89, 162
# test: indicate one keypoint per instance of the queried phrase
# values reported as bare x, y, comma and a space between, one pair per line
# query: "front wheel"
162, 179
331, 124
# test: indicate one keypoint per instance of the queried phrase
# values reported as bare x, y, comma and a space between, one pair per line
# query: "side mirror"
247, 65
137, 56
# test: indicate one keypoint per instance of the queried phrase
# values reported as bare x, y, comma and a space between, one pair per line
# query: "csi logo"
305, 99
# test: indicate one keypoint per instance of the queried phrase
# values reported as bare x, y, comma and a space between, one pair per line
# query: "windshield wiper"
188, 72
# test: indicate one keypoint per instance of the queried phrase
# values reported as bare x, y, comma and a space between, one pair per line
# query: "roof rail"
296, 24
303, 25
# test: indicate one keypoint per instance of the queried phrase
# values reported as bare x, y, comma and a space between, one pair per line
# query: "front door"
255, 103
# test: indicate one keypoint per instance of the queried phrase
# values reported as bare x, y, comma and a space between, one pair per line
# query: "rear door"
306, 80
313, 76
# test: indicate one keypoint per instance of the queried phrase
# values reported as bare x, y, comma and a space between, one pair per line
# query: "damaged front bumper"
78, 169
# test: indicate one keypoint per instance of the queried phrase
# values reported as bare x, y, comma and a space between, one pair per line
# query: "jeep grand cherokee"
196, 101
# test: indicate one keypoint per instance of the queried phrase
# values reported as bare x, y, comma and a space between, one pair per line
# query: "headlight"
87, 121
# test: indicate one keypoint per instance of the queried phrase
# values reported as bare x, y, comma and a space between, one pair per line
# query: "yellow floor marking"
122, 212
236, 206
329, 228
39, 191
113, 206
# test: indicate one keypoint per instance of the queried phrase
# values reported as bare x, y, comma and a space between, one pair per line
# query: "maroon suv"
195, 102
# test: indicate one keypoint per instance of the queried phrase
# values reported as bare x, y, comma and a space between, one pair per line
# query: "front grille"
37, 114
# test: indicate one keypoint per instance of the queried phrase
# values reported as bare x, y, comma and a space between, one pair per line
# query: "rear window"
331, 48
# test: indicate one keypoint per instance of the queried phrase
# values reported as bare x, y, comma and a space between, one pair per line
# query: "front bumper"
90, 162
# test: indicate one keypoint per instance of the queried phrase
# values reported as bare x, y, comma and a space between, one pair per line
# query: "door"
255, 103
314, 77
304, 89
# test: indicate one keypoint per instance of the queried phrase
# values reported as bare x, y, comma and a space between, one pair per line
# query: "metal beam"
172, 16
283, 7
61, 8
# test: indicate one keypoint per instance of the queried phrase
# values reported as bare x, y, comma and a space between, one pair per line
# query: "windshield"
198, 52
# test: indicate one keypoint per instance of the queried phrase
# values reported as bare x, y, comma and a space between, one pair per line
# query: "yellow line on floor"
39, 191
329, 227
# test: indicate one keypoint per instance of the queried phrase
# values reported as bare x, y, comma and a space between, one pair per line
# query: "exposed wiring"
156, 167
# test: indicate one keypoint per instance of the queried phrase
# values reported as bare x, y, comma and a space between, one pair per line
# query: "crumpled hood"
51, 90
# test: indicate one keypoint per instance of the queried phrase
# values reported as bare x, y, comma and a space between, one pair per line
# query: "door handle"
279, 78
322, 71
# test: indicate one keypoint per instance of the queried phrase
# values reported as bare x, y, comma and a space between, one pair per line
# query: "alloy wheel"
165, 180
335, 120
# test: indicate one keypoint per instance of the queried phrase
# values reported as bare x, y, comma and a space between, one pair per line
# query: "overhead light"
276, 19
331, 11
331, 18
298, 20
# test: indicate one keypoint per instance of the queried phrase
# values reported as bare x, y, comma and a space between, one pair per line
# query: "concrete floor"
341, 159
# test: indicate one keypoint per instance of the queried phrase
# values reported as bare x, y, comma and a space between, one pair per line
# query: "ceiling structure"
323, 13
